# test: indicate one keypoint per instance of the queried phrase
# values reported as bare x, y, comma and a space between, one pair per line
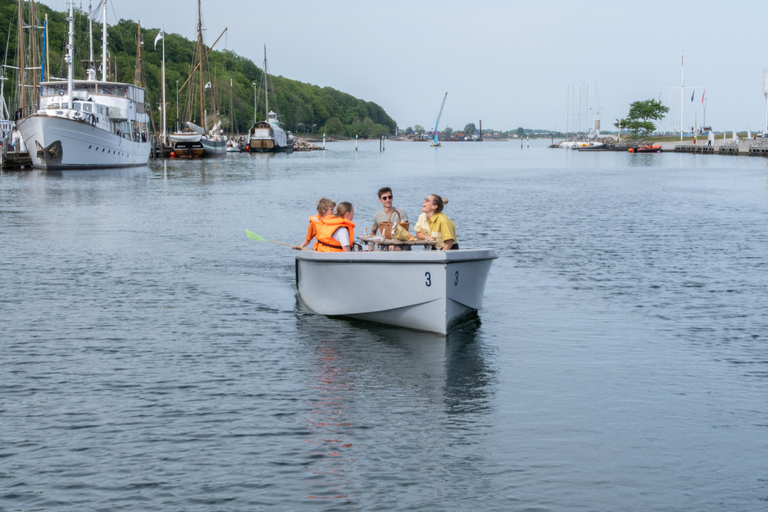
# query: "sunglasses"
428, 200
386, 198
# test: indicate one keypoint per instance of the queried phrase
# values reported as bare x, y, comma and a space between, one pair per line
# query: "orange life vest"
325, 230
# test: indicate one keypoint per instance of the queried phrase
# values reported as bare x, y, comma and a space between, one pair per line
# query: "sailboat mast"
200, 56
137, 73
266, 86
69, 59
104, 41
47, 53
33, 36
21, 57
90, 35
165, 130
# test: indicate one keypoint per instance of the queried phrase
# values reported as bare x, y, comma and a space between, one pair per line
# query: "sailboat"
87, 124
267, 136
195, 141
436, 143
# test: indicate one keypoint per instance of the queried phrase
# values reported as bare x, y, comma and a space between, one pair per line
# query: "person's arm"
447, 245
311, 232
341, 235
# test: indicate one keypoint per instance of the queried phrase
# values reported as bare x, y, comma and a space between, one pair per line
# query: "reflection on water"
375, 388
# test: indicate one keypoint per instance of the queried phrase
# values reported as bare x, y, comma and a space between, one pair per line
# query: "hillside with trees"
302, 108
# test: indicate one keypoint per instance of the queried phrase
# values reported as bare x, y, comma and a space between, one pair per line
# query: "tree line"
302, 107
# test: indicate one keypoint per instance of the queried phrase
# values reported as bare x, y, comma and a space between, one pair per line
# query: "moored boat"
648, 148
427, 291
196, 141
87, 124
267, 136
589, 146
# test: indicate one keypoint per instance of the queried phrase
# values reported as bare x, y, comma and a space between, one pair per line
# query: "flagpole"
682, 95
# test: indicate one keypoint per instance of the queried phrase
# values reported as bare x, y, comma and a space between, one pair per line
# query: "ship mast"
137, 71
21, 58
90, 36
32, 34
70, 54
104, 41
266, 86
200, 56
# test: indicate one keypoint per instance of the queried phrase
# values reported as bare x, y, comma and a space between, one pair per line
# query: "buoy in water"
631, 150
173, 154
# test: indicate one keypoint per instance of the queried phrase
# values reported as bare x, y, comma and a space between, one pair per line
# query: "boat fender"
631, 150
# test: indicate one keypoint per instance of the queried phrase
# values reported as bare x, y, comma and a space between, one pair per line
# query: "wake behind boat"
427, 290
87, 124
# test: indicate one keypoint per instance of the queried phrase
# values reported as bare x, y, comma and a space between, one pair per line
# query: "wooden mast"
137, 71
21, 58
33, 35
200, 56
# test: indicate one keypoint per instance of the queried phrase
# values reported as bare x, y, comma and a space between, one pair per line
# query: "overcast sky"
509, 63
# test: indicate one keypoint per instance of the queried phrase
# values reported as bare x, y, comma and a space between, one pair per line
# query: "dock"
15, 160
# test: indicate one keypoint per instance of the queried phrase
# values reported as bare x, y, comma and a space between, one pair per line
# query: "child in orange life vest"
336, 233
324, 209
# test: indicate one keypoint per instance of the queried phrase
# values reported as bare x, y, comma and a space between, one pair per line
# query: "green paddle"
260, 238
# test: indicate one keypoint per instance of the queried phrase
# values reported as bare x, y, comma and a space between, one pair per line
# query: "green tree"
470, 129
448, 132
520, 132
333, 127
419, 129
641, 115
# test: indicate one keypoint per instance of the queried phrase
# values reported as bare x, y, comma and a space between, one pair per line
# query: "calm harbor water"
154, 358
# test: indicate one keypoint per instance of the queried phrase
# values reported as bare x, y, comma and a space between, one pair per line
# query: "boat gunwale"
399, 257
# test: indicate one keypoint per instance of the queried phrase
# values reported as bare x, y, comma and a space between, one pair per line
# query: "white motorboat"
425, 290
87, 124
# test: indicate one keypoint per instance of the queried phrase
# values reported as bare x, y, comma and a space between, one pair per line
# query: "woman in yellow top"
441, 227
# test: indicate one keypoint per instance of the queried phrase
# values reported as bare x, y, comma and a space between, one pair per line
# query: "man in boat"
386, 199
324, 209
336, 233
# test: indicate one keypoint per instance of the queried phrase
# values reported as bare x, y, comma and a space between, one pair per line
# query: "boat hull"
423, 290
266, 138
188, 149
57, 143
213, 148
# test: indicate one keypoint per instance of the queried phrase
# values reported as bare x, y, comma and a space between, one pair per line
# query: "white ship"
87, 124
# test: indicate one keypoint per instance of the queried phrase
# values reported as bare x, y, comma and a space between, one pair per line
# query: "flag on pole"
702, 95
160, 35
692, 94
208, 85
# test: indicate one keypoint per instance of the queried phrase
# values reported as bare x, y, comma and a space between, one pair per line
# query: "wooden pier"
15, 160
